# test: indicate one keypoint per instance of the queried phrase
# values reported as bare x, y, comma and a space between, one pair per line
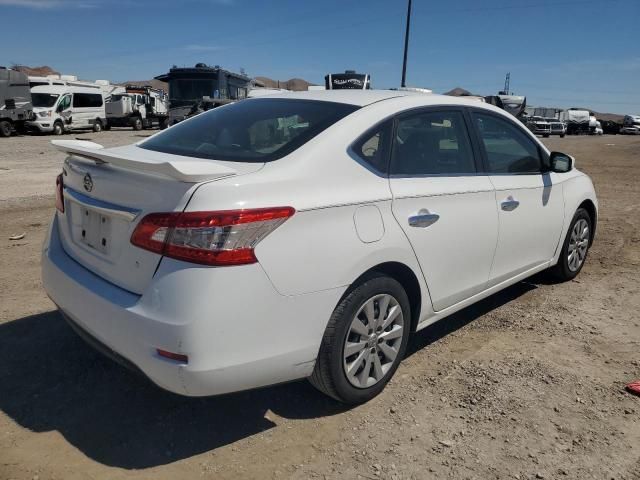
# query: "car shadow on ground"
51, 380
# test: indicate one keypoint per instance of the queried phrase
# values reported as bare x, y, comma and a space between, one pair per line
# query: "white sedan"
305, 235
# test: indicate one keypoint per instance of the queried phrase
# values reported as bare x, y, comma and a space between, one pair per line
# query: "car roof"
363, 98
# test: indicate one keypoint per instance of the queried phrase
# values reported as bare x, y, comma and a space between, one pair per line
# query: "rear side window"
85, 100
260, 130
432, 143
373, 148
508, 148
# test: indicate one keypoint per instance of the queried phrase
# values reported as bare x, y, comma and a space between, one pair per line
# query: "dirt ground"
526, 384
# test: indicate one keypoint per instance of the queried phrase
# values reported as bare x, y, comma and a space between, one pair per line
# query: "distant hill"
35, 71
296, 84
154, 84
458, 92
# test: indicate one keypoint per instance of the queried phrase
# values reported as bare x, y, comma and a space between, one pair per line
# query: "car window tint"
508, 148
374, 147
257, 130
432, 143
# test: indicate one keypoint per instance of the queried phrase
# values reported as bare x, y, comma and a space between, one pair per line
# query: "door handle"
509, 204
423, 219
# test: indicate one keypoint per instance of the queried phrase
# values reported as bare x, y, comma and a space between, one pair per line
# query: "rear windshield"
259, 130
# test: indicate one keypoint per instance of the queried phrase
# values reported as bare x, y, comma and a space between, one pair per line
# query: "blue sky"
559, 52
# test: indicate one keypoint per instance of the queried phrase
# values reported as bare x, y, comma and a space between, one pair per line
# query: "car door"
64, 110
529, 198
443, 202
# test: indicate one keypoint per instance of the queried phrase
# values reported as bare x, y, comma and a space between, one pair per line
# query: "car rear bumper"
237, 331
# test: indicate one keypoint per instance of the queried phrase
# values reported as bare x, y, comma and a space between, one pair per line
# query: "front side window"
508, 148
432, 143
259, 130
65, 103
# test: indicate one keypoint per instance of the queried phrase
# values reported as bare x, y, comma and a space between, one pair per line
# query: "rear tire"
97, 126
362, 344
58, 128
5, 128
575, 248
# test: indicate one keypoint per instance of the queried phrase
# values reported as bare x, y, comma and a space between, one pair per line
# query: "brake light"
209, 238
59, 193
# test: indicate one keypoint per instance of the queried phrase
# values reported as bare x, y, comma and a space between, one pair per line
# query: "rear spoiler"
183, 169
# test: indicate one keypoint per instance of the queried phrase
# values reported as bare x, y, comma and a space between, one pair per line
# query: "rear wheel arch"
403, 275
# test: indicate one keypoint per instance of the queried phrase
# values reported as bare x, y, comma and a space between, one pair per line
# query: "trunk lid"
108, 191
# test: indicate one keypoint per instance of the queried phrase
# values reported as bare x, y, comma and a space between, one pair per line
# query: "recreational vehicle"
15, 101
63, 108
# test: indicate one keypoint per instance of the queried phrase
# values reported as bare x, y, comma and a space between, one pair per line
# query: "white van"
64, 108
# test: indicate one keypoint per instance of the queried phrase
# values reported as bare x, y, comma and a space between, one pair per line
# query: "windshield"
44, 100
187, 89
259, 130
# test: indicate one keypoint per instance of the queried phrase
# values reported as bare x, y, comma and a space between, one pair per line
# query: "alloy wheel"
373, 341
578, 245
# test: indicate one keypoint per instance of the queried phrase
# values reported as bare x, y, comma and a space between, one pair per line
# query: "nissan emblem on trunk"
88, 182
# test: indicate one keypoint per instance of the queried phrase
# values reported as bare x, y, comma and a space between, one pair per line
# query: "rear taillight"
209, 238
59, 194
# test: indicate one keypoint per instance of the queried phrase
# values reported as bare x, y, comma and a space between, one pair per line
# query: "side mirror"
561, 162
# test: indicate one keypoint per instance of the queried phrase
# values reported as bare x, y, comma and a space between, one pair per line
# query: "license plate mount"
95, 230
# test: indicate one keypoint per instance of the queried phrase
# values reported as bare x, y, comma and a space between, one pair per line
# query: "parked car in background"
63, 108
557, 127
305, 235
630, 130
539, 126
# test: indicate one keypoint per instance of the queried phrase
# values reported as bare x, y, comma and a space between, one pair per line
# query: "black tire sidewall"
563, 262
5, 129
353, 301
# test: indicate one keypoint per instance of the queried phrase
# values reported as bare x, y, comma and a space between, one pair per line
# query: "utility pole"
406, 46
507, 83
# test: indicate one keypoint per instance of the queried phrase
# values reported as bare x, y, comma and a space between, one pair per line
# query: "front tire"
136, 123
364, 341
58, 128
575, 247
5, 128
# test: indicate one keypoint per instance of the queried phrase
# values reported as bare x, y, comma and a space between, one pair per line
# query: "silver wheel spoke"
358, 327
393, 314
388, 351
396, 332
369, 312
364, 374
383, 305
352, 348
378, 373
353, 367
